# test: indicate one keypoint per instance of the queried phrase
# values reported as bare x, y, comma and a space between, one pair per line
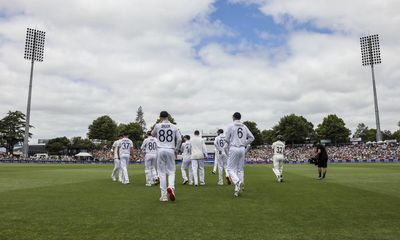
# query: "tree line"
104, 130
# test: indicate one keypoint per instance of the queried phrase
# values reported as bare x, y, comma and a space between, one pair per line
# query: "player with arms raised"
238, 137
279, 148
169, 141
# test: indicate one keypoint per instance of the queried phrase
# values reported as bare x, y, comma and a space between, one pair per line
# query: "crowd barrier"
29, 161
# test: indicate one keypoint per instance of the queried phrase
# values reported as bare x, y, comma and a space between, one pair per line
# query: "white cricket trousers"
187, 164
222, 161
117, 170
124, 168
235, 164
198, 164
215, 163
277, 165
166, 169
149, 163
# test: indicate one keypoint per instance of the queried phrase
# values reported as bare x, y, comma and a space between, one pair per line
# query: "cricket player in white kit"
186, 150
238, 137
221, 157
125, 151
149, 146
199, 153
169, 141
117, 163
279, 148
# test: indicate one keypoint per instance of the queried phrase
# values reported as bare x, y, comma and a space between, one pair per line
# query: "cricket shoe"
163, 199
148, 184
202, 184
238, 186
228, 180
220, 183
185, 182
171, 194
113, 179
213, 172
156, 181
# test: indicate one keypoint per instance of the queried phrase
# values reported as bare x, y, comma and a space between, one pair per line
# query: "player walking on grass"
186, 150
199, 153
221, 157
169, 141
238, 137
117, 163
149, 146
125, 151
279, 148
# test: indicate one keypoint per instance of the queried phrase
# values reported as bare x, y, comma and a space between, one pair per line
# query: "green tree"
268, 136
396, 135
82, 143
387, 135
252, 126
12, 130
57, 146
370, 135
134, 130
333, 128
294, 129
361, 132
140, 118
103, 128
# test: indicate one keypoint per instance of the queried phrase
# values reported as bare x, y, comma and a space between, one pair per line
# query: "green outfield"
356, 201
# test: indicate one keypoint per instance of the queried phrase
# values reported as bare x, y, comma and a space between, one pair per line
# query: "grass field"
356, 201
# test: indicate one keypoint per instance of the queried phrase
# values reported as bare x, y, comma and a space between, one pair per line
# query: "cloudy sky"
200, 59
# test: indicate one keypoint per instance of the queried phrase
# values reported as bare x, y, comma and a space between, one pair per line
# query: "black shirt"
323, 155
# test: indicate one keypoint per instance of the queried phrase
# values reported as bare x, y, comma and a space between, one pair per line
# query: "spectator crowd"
343, 152
264, 154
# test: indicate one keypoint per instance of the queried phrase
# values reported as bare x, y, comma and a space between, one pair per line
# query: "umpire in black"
322, 160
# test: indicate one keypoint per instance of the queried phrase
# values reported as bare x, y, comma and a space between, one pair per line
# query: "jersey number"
125, 145
221, 143
279, 150
240, 133
152, 146
162, 137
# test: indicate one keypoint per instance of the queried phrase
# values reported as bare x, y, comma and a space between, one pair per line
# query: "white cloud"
110, 58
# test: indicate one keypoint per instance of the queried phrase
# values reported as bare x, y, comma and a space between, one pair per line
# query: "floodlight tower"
371, 55
34, 46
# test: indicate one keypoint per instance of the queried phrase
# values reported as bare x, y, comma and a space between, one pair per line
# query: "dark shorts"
323, 163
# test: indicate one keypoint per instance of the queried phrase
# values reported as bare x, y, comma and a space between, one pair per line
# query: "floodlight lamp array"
34, 44
370, 50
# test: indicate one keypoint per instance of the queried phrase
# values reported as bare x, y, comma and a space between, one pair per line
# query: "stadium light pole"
371, 55
34, 46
